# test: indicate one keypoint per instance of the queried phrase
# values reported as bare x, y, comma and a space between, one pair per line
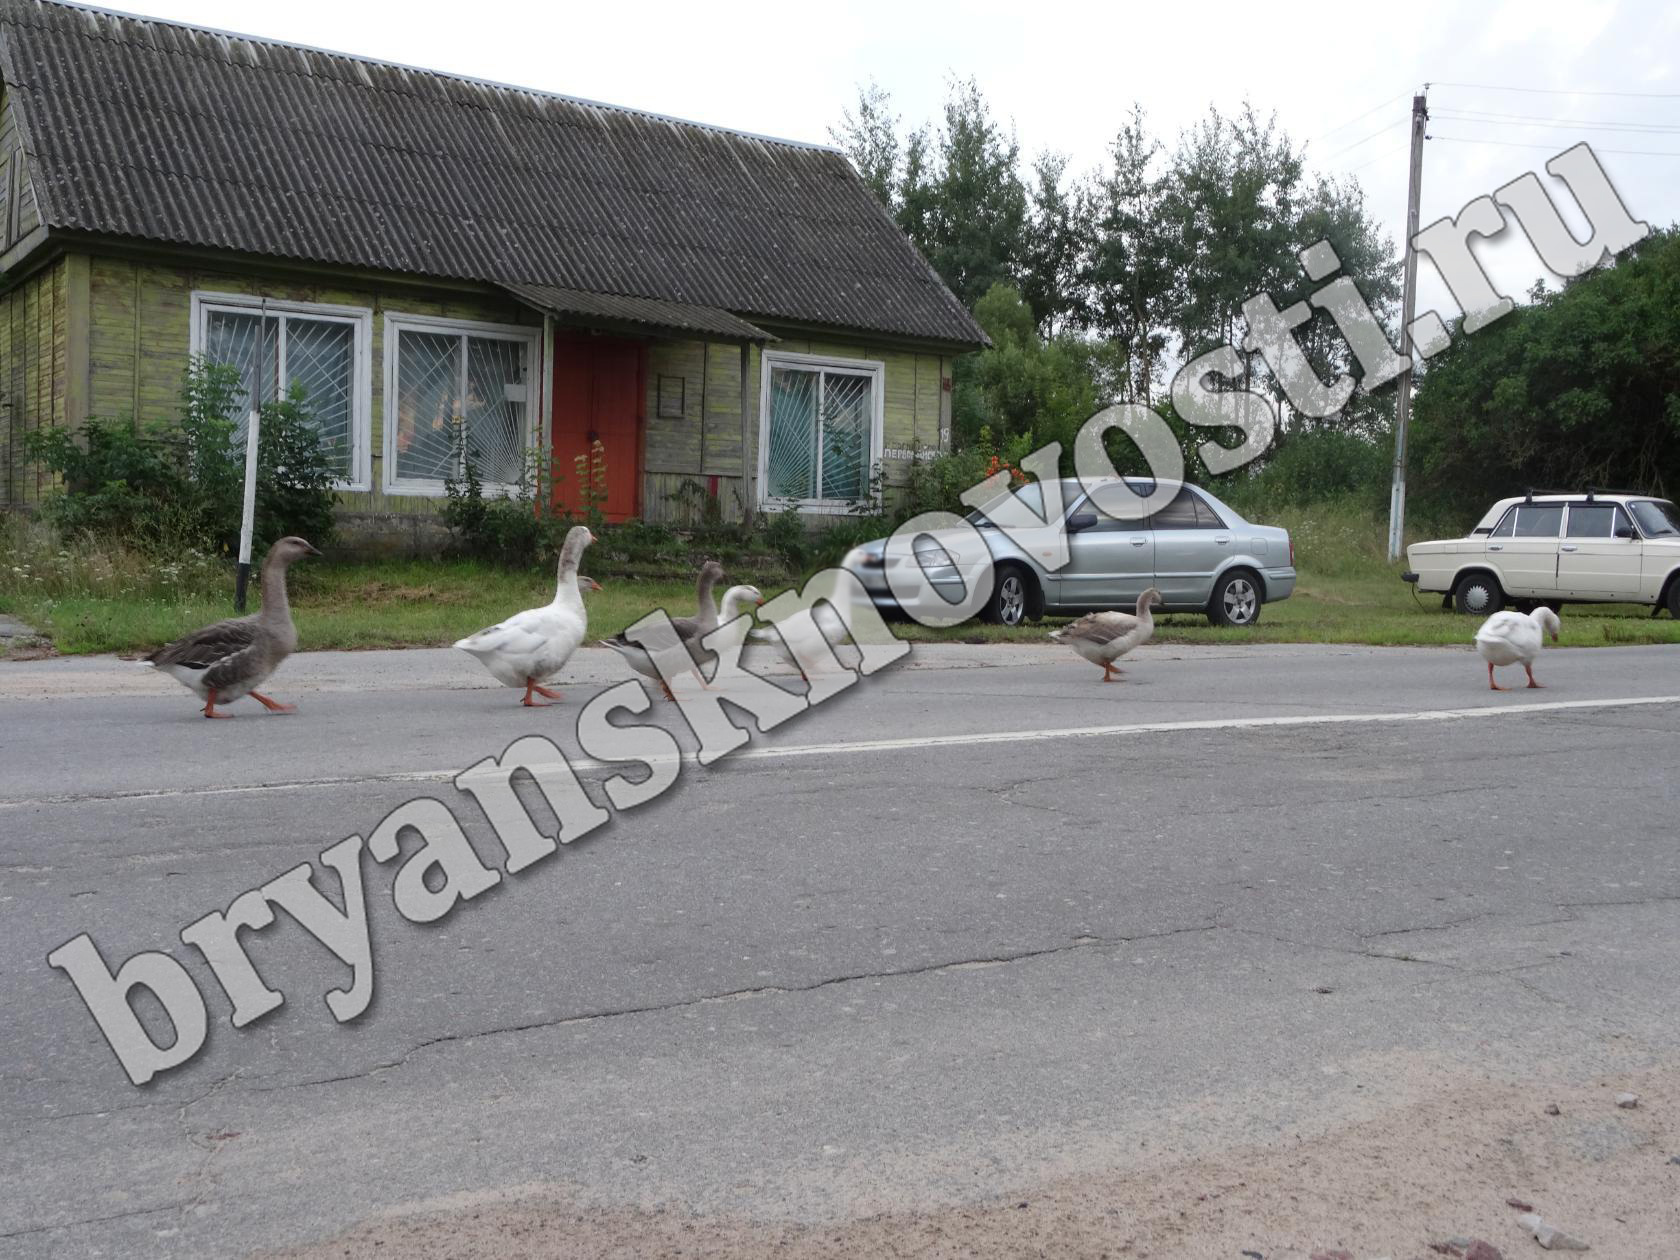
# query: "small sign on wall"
673, 394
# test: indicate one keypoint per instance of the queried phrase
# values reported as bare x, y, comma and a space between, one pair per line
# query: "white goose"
1512, 638
690, 630
1104, 637
530, 648
829, 622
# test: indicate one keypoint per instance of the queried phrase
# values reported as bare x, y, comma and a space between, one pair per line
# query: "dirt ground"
1387, 1186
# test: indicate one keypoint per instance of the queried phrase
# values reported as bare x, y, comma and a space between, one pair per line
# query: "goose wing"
521, 634
1101, 628
209, 647
1505, 627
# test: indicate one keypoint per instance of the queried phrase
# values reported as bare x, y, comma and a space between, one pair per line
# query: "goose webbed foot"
530, 686
273, 706
210, 706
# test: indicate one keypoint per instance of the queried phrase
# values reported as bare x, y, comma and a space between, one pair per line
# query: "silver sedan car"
1198, 552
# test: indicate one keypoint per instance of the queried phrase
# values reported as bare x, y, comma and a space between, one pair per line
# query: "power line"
1360, 117
1514, 120
1379, 131
1520, 144
1385, 154
1495, 87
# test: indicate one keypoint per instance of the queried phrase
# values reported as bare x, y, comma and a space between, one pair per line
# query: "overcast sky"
1338, 77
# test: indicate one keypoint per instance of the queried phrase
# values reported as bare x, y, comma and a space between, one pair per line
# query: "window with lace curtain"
819, 431
439, 372
278, 345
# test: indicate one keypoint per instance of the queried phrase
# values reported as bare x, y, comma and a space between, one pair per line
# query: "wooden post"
748, 457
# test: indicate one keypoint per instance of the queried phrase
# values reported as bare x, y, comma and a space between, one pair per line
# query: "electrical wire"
1404, 144
1520, 144
1360, 117
1379, 131
1495, 87
1515, 120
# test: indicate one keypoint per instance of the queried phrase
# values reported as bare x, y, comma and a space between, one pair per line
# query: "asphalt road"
973, 923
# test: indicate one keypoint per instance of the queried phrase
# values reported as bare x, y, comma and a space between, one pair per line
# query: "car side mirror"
1081, 520
1626, 531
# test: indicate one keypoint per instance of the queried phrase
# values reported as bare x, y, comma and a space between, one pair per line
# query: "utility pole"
1408, 309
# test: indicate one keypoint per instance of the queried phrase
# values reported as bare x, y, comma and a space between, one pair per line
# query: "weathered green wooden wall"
110, 337
34, 369
707, 443
141, 335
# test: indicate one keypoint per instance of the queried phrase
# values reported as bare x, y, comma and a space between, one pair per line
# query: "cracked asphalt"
871, 977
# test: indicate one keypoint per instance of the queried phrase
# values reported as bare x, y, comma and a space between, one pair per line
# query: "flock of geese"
229, 660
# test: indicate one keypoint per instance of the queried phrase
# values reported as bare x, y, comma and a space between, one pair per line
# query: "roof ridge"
432, 72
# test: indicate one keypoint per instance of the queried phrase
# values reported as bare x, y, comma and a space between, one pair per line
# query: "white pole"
248, 513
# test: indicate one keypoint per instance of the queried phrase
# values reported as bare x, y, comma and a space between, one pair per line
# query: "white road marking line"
853, 747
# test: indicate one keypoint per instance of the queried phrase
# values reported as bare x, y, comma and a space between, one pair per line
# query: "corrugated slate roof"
646, 312
164, 132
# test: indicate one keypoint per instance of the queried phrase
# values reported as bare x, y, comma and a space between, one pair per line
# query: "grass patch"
90, 598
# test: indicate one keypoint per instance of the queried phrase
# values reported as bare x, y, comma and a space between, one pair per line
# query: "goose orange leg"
544, 691
1495, 686
530, 686
210, 706
1114, 676
273, 706
1529, 669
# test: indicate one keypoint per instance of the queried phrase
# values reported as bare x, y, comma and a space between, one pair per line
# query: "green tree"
963, 202
868, 134
1026, 390
1580, 387
1053, 262
1131, 264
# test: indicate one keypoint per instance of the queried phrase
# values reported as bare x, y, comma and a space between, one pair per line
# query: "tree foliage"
1581, 387
1123, 269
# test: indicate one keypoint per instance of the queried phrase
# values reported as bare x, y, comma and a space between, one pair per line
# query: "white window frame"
876, 370
536, 389
360, 318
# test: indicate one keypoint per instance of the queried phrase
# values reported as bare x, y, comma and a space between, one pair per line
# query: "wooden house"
730, 315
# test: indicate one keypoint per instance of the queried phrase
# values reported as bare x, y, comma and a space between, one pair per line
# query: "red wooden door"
598, 393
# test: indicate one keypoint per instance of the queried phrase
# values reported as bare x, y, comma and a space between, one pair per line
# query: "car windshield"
1659, 519
1031, 494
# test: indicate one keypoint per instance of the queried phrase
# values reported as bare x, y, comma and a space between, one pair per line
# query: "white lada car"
1556, 549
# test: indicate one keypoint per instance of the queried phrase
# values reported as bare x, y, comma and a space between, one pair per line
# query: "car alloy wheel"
1011, 599
1239, 601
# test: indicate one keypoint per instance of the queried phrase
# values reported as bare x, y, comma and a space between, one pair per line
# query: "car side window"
1538, 520
1620, 523
1180, 513
1206, 517
1507, 526
1590, 520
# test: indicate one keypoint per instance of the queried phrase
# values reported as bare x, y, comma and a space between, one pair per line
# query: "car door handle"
1496, 546
1139, 541
1567, 547
1222, 539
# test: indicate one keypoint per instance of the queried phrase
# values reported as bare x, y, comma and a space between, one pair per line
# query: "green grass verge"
110, 600
416, 603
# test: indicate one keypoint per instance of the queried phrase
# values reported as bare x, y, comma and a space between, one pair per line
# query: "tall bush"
180, 483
